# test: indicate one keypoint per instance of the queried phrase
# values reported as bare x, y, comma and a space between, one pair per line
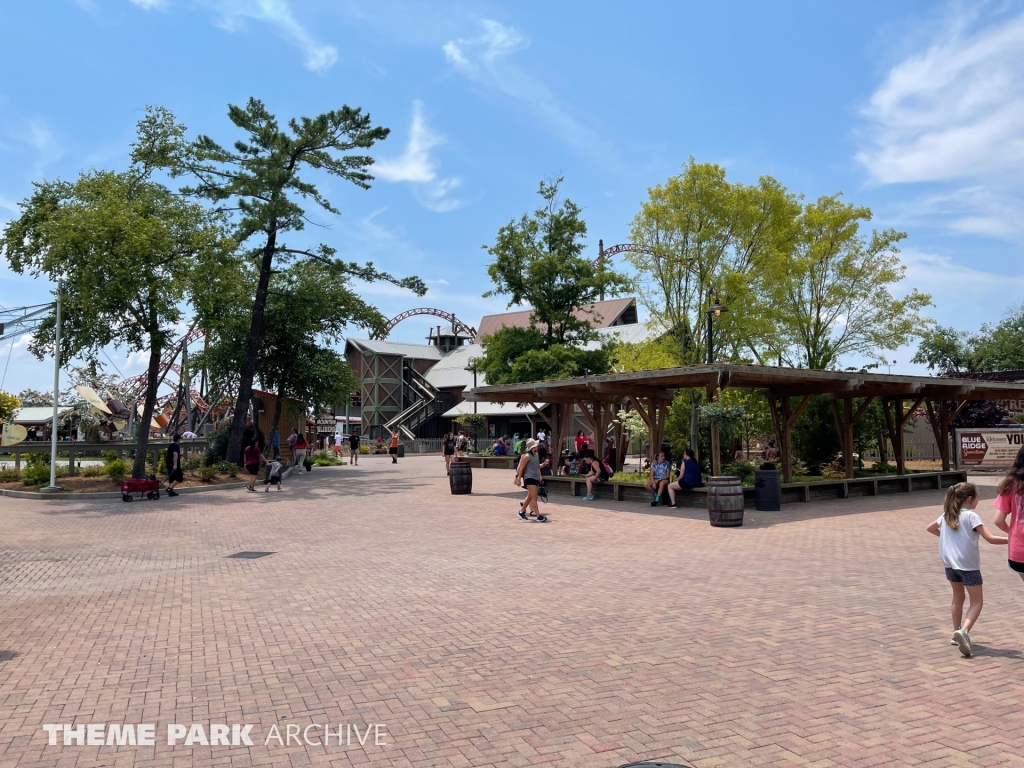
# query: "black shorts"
275, 479
252, 469
449, 453
968, 578
528, 481
175, 476
1015, 566
393, 450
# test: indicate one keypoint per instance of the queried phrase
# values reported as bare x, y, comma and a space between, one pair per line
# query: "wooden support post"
898, 442
944, 444
785, 447
848, 436
716, 449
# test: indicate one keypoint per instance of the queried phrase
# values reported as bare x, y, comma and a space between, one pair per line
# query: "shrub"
36, 473
117, 470
325, 462
883, 468
10, 475
232, 470
364, 449
218, 449
206, 474
630, 477
92, 471
108, 456
225, 467
161, 468
192, 463
742, 469
834, 470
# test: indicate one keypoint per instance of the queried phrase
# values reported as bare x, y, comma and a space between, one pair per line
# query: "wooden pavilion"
788, 391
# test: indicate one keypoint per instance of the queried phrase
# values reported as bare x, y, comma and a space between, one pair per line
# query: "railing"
70, 450
418, 412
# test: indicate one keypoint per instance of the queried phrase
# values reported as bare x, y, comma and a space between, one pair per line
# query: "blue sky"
914, 109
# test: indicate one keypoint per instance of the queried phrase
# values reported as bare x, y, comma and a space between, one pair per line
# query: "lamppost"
890, 365
715, 310
472, 367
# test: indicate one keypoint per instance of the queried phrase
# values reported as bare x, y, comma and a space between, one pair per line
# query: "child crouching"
273, 475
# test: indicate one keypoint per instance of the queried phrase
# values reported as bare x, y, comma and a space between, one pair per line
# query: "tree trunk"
149, 405
252, 351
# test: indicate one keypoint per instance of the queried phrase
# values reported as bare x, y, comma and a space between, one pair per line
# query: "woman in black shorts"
528, 475
253, 457
448, 448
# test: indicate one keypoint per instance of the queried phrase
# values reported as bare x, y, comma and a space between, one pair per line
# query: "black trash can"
401, 451
768, 490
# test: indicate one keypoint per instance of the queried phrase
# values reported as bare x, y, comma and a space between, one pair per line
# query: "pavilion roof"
663, 382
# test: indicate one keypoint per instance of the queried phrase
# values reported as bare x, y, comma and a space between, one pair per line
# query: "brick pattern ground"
817, 636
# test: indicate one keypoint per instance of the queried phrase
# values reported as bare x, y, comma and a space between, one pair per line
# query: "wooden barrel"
725, 502
460, 478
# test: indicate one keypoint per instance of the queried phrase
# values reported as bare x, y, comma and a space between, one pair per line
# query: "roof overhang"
663, 383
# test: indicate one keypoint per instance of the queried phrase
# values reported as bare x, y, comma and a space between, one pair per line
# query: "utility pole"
54, 488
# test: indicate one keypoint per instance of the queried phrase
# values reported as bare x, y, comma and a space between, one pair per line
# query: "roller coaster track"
456, 324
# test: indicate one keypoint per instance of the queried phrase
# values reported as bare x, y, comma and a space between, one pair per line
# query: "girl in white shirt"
959, 530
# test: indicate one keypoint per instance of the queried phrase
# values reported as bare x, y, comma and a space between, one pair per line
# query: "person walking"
1010, 513
253, 458
689, 476
448, 449
273, 475
959, 530
274, 444
291, 441
299, 449
528, 476
173, 462
461, 444
393, 448
353, 449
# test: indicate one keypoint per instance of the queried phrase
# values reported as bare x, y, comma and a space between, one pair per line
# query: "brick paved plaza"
817, 636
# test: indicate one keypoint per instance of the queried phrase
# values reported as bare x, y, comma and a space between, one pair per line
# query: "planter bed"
791, 492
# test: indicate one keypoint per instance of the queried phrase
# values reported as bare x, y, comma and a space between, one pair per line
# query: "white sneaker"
963, 641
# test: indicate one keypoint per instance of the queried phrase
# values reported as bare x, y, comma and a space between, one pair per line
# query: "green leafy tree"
538, 261
260, 181
998, 347
33, 398
522, 354
309, 307
830, 297
125, 250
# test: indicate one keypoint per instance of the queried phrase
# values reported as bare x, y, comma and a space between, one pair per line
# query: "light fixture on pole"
54, 488
472, 367
715, 310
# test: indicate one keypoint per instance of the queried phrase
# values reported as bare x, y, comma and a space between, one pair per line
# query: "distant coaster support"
457, 325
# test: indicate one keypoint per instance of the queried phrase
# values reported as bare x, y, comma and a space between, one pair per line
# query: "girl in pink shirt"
1010, 517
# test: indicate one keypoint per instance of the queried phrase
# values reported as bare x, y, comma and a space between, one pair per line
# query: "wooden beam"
622, 389
910, 411
640, 409
587, 416
863, 408
716, 448
799, 410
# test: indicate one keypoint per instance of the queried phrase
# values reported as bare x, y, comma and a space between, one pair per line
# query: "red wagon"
150, 487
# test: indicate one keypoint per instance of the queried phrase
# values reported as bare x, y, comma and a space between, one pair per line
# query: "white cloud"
416, 166
963, 296
485, 59
955, 110
149, 5
278, 13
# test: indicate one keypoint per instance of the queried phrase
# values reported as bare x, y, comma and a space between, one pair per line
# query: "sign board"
987, 448
326, 425
13, 434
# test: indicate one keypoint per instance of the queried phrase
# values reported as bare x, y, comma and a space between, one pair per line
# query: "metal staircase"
426, 402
